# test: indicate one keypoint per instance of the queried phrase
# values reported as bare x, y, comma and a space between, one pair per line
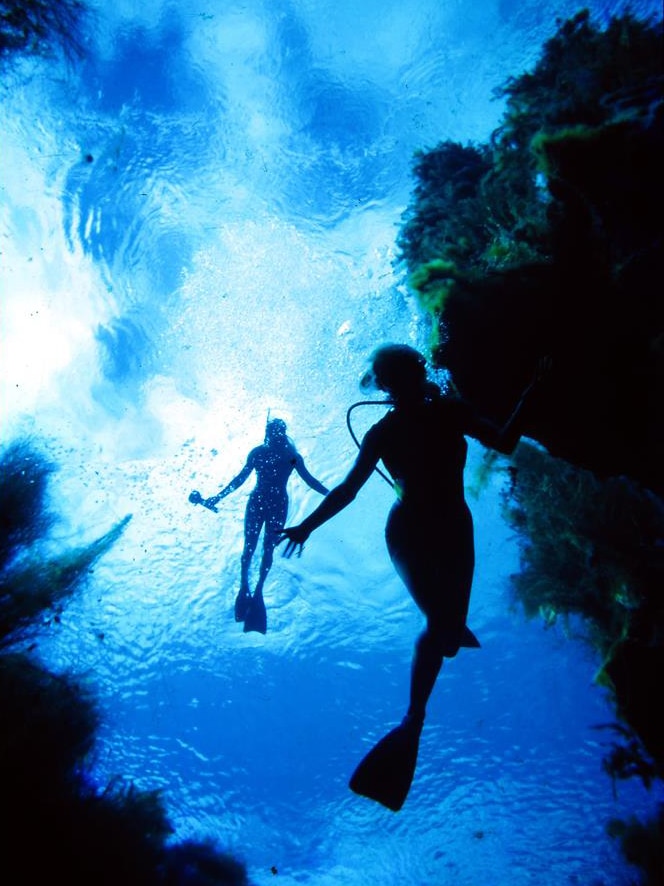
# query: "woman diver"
267, 508
429, 533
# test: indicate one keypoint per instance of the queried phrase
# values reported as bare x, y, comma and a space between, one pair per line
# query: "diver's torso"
424, 449
273, 466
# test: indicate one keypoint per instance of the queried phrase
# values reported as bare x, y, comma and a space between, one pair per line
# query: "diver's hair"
276, 426
399, 370
275, 429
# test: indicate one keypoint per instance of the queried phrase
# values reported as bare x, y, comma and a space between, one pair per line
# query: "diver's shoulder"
390, 417
378, 430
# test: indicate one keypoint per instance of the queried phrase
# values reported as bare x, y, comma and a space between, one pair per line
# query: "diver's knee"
437, 643
429, 646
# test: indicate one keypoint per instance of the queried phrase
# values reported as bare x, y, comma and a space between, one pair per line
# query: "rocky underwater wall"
548, 241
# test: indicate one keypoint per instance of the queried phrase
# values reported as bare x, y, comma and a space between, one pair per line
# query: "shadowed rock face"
556, 250
551, 244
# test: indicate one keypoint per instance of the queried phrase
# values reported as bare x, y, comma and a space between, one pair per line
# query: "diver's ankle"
413, 720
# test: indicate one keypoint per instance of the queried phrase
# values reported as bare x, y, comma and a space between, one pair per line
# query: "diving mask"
368, 381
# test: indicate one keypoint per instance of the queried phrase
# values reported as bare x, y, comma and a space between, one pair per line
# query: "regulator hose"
352, 432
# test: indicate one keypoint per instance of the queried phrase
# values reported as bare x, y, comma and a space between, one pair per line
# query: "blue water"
198, 226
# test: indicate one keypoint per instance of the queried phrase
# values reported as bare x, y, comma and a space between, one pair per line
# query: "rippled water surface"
198, 227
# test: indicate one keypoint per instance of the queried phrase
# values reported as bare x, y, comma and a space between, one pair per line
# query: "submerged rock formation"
548, 241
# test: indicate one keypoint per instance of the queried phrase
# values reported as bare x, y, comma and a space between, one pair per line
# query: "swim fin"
387, 771
256, 616
242, 603
469, 640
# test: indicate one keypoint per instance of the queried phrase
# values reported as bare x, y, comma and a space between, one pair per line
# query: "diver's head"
275, 430
399, 370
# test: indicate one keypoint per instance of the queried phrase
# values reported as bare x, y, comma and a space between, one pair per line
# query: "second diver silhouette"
429, 533
273, 462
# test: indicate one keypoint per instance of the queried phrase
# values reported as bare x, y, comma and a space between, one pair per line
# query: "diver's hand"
296, 536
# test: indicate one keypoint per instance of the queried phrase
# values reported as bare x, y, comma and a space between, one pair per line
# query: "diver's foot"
256, 617
242, 603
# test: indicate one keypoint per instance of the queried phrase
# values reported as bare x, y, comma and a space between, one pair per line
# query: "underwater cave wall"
548, 241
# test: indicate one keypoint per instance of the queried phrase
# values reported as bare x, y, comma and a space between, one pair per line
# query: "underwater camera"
197, 499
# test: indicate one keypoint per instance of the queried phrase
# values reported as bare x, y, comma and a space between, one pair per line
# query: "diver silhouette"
429, 533
273, 462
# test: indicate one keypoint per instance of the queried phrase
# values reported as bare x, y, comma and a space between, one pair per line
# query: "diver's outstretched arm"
308, 478
505, 439
235, 483
336, 500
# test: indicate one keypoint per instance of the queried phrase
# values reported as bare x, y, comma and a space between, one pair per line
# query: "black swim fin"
387, 771
256, 616
242, 603
469, 640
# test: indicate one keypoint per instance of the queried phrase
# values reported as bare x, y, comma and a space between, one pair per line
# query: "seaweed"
581, 71
24, 517
595, 549
57, 822
643, 845
42, 28
37, 584
32, 580
551, 244
446, 220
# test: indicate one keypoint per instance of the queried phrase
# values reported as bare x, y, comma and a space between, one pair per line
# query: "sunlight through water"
199, 225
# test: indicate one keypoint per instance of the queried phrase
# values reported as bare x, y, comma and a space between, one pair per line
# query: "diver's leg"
274, 525
427, 662
269, 544
439, 578
256, 616
253, 522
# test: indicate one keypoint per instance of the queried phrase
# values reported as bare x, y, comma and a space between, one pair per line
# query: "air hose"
352, 432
